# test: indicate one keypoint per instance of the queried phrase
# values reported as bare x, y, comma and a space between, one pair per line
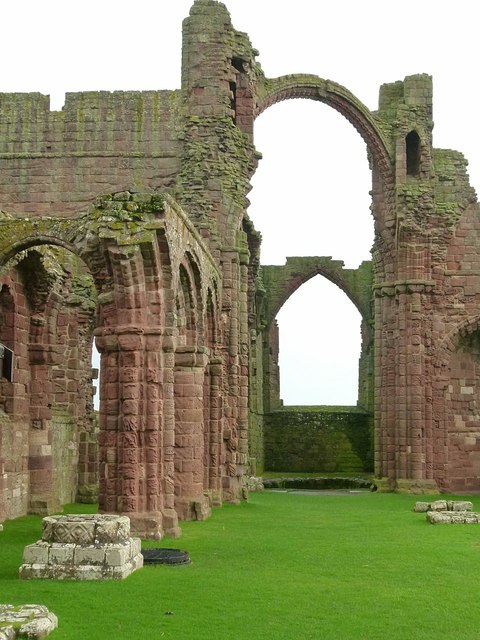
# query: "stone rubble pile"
26, 621
448, 512
83, 547
453, 517
443, 505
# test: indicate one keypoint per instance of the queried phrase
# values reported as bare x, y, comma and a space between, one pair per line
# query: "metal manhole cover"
165, 556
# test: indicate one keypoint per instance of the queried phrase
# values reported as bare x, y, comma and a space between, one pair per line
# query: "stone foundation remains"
26, 621
83, 547
443, 505
453, 517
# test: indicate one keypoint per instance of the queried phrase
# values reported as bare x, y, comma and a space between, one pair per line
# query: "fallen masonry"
453, 517
26, 621
83, 547
443, 505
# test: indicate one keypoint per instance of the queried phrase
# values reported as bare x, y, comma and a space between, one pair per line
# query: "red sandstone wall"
56, 163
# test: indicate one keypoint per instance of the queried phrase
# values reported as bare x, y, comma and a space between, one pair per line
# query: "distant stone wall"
318, 439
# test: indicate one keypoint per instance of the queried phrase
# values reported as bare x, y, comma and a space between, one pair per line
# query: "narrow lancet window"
412, 146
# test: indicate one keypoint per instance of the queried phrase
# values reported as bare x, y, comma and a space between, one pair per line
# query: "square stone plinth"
83, 548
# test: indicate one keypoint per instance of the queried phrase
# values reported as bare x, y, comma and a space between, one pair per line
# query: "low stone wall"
318, 439
83, 547
26, 621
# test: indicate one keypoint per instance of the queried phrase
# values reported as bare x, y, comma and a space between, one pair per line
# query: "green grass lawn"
283, 566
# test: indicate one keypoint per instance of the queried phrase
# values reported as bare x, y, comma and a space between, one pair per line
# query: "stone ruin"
26, 621
448, 512
83, 547
124, 220
441, 506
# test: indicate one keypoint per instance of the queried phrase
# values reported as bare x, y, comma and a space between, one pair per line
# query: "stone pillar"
190, 500
214, 430
43, 498
404, 450
131, 429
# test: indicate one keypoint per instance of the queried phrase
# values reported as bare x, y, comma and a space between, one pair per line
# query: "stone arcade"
124, 219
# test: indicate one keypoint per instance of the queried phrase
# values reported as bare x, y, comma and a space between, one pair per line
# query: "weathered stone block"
116, 555
26, 621
462, 505
453, 517
36, 553
421, 507
104, 558
438, 505
89, 555
61, 553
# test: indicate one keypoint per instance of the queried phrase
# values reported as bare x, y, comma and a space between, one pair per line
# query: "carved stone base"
83, 547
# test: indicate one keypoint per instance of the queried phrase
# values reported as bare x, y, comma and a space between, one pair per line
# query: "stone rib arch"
451, 340
342, 100
456, 402
282, 281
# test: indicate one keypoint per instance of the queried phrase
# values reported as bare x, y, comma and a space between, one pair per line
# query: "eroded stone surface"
83, 547
453, 517
443, 505
26, 621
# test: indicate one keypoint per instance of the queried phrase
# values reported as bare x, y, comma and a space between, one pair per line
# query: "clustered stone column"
132, 430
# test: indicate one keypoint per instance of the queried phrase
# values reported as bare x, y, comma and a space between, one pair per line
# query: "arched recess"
453, 447
50, 403
213, 454
12, 475
191, 360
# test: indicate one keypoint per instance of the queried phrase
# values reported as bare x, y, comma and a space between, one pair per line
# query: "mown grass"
283, 566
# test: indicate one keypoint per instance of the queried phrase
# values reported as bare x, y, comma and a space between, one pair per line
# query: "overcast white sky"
310, 194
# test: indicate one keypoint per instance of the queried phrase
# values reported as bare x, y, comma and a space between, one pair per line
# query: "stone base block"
416, 487
40, 506
83, 547
87, 494
198, 508
149, 525
26, 621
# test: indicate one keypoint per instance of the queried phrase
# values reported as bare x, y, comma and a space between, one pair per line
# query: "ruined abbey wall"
125, 219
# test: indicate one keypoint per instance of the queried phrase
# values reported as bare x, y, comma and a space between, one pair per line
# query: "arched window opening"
319, 344
412, 150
